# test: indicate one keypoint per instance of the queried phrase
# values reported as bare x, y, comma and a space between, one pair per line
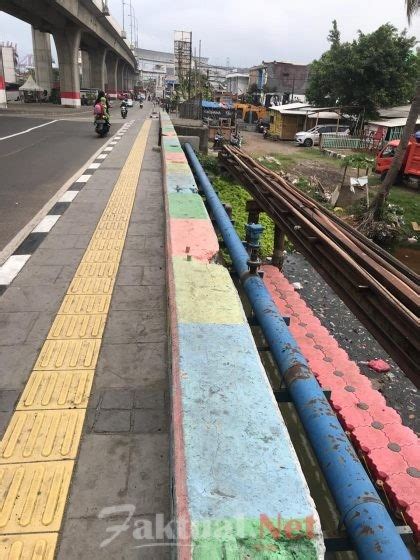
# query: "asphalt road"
34, 165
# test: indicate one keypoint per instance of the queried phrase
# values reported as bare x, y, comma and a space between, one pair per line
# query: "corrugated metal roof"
391, 123
395, 112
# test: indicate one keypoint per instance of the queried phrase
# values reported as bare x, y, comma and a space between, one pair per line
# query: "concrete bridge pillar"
43, 60
97, 67
125, 77
86, 70
111, 62
130, 79
120, 75
67, 41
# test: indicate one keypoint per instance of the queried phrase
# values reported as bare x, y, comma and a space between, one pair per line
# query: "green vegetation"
236, 196
409, 201
233, 194
375, 70
286, 162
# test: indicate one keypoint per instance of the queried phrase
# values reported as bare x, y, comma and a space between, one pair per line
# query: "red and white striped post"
3, 98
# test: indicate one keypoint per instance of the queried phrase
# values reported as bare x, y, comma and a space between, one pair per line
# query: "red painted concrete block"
193, 237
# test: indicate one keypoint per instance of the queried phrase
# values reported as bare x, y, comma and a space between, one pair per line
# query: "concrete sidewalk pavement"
120, 477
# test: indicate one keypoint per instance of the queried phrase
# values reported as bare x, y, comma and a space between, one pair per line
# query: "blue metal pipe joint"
365, 517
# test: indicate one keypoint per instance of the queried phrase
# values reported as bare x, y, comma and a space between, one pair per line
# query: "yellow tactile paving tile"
68, 355
75, 305
77, 326
81, 285
106, 256
101, 244
41, 442
105, 236
56, 390
112, 226
28, 547
97, 270
42, 435
33, 496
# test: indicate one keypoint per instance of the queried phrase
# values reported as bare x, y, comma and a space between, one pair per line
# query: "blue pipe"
365, 517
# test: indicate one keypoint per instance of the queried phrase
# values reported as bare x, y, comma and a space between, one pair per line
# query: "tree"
375, 70
412, 7
334, 35
375, 210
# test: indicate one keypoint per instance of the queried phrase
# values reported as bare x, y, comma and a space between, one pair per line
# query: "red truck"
410, 168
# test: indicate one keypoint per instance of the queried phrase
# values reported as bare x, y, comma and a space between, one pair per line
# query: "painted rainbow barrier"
239, 491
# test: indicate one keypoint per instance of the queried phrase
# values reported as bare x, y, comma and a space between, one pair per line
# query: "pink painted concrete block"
193, 237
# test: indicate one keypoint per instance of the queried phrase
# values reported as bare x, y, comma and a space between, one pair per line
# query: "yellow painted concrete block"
205, 293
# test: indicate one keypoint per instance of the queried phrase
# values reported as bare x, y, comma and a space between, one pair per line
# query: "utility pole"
199, 70
123, 4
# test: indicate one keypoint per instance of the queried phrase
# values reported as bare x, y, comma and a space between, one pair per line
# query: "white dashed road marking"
46, 224
12, 267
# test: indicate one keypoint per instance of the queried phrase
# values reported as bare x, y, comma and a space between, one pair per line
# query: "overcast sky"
244, 31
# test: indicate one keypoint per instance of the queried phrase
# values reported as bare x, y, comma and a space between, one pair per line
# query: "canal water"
409, 255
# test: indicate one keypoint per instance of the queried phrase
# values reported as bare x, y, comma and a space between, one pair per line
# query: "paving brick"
369, 438
15, 327
147, 421
117, 398
16, 362
150, 398
112, 421
375, 428
139, 297
135, 326
85, 538
120, 469
131, 365
37, 275
31, 298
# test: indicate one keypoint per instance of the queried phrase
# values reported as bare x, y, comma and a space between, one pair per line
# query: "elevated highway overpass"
77, 25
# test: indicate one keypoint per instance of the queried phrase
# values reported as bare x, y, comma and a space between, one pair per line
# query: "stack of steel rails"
382, 292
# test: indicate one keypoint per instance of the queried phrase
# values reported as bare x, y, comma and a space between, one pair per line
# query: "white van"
311, 137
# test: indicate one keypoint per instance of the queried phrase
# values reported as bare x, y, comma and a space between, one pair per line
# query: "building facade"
237, 83
156, 70
10, 62
287, 80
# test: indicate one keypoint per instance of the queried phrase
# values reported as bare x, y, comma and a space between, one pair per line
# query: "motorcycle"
124, 111
141, 105
218, 141
101, 127
236, 140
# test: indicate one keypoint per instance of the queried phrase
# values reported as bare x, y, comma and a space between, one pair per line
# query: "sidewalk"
80, 470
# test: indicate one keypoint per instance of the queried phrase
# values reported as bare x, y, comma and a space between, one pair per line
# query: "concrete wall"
191, 127
234, 468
